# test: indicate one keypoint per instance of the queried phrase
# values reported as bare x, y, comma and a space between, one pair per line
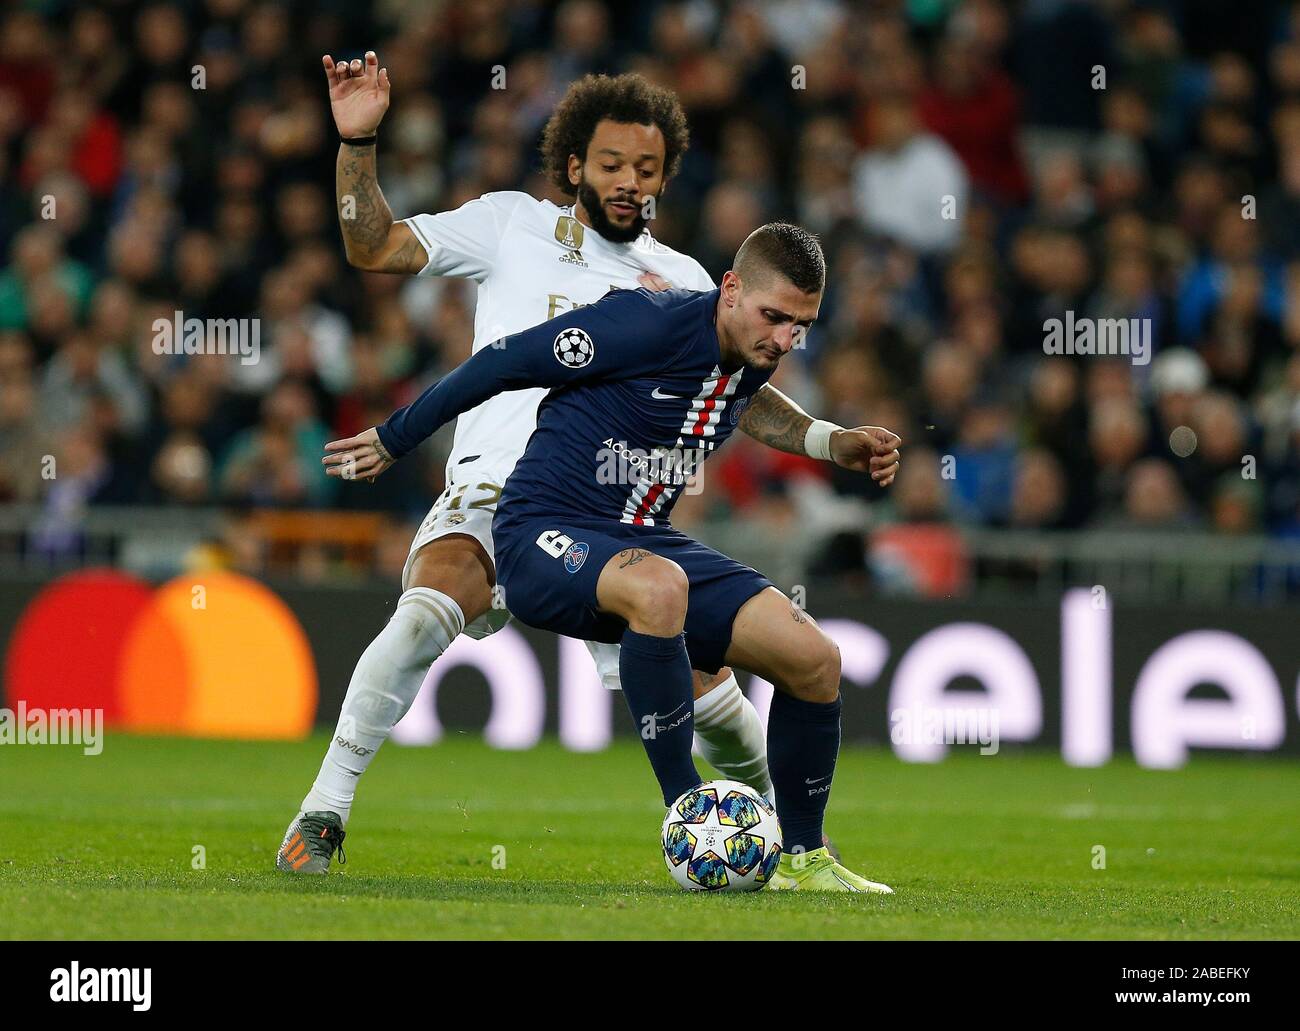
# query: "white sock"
731, 736
384, 684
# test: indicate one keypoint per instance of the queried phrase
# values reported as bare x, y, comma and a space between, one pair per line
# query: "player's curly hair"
622, 98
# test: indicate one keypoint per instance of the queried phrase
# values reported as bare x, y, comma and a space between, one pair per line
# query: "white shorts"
605, 656
467, 507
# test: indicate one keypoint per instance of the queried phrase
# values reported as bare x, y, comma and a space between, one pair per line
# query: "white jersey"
532, 260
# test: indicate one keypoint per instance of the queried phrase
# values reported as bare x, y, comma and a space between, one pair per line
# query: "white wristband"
817, 441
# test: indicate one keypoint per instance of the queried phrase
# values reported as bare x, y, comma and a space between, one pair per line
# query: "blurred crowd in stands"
974, 169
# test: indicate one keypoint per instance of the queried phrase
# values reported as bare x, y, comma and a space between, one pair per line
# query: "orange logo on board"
208, 654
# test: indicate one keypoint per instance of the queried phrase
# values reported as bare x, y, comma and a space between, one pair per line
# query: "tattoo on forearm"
773, 419
799, 617
633, 556
367, 230
382, 451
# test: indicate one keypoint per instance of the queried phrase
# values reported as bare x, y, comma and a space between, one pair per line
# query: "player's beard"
590, 200
766, 365
760, 361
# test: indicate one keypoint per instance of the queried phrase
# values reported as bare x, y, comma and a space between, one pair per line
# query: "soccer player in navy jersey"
648, 385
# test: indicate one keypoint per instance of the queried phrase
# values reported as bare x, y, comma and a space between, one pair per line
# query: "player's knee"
662, 591
456, 570
818, 679
667, 588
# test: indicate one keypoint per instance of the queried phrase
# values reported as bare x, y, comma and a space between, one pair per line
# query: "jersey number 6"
554, 542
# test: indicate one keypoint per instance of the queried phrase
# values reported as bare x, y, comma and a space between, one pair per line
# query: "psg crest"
575, 556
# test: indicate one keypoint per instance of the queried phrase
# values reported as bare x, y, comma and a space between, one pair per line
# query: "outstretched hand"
871, 449
361, 457
358, 94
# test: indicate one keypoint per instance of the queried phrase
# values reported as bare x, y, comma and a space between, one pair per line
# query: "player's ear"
731, 285
575, 169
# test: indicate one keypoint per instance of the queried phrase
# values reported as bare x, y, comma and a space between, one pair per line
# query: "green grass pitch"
976, 847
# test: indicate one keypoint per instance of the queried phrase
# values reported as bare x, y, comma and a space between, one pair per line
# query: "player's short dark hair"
786, 249
627, 98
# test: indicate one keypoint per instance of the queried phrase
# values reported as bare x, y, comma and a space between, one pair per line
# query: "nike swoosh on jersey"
661, 396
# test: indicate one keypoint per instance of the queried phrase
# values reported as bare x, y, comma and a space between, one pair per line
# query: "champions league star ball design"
574, 348
721, 836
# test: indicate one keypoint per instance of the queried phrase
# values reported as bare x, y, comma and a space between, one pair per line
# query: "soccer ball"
721, 836
574, 348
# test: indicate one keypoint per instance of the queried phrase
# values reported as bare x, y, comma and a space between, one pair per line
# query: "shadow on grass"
422, 887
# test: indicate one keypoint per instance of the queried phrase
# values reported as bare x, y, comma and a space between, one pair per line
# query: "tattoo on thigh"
634, 555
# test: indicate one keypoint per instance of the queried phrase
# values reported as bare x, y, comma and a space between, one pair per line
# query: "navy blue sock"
657, 684
803, 742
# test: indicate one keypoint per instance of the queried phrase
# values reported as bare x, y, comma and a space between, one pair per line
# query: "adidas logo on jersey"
574, 258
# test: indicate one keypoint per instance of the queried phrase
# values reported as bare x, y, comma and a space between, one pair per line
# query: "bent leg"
783, 644
650, 594
449, 585
780, 642
729, 730
605, 657
727, 726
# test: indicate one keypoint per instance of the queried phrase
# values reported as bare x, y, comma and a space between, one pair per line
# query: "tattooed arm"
359, 92
773, 419
371, 238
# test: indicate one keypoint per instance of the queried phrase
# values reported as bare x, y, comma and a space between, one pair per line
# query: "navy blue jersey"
639, 399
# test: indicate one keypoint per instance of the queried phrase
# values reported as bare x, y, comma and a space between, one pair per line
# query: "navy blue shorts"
549, 566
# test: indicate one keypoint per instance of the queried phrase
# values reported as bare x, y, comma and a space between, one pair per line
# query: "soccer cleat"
829, 846
309, 844
827, 843
818, 871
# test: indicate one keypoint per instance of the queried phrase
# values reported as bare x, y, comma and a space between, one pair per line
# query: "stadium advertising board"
1087, 676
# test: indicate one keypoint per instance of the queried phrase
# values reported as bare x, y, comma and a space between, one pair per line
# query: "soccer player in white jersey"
612, 144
